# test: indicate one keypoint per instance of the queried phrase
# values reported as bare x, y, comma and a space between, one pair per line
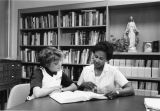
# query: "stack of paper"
152, 104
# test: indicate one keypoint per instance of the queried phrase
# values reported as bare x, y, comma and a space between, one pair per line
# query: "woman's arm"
36, 85
127, 90
41, 92
67, 83
72, 87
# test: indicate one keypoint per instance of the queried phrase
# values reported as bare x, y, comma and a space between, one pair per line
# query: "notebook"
76, 96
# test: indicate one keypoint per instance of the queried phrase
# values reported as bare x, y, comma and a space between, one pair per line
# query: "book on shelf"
44, 38
41, 21
145, 88
73, 72
84, 18
73, 56
76, 96
156, 46
145, 92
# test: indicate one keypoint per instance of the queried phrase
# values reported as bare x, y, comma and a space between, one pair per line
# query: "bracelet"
117, 92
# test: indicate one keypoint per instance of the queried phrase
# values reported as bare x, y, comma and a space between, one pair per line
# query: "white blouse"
106, 81
49, 81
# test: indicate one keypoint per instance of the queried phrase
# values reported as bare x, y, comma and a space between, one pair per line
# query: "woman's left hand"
111, 95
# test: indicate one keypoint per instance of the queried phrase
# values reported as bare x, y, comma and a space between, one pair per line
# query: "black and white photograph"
79, 55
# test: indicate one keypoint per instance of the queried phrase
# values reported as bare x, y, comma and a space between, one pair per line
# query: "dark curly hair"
105, 46
48, 55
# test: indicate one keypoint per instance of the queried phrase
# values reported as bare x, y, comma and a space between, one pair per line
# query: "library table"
131, 103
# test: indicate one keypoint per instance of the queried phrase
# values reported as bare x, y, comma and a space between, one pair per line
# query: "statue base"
132, 49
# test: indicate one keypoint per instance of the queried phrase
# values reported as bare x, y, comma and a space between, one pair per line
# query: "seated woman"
101, 77
49, 77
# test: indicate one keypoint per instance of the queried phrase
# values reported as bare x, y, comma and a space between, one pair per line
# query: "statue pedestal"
132, 49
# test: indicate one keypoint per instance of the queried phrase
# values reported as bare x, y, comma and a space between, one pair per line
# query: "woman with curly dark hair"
49, 77
101, 77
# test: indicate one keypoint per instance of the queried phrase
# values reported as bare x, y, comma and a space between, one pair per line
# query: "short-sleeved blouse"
106, 81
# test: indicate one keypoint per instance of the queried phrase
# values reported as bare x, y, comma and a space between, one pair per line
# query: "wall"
147, 20
3, 28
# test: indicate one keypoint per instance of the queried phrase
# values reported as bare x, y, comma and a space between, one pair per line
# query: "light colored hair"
48, 55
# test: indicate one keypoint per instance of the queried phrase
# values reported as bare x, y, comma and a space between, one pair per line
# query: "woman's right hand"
88, 86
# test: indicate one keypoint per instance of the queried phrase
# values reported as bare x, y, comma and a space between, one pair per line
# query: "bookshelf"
142, 69
75, 28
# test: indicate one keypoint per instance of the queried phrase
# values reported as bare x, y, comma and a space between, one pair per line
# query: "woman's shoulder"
110, 67
38, 71
89, 67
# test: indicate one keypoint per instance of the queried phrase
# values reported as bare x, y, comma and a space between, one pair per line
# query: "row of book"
28, 55
145, 88
84, 18
135, 63
43, 38
72, 72
142, 92
40, 21
27, 71
77, 56
137, 68
144, 72
144, 85
70, 56
83, 37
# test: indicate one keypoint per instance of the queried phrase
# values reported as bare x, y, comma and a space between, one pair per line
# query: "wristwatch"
117, 92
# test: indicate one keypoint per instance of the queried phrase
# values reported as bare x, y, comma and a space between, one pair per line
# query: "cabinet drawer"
10, 71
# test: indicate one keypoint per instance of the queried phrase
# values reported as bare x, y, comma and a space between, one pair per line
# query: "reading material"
76, 96
152, 103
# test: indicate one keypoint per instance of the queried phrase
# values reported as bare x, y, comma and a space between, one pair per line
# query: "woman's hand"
112, 95
88, 86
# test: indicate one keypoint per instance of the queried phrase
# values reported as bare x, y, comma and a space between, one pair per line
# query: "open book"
152, 104
76, 96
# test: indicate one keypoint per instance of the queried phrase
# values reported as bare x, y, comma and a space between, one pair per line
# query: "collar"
49, 72
105, 69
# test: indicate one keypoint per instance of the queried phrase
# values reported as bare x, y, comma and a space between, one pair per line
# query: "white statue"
131, 32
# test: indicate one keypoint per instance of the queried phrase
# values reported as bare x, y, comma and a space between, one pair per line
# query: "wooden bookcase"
75, 28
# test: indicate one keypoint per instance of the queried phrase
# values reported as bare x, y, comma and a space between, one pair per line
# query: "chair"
18, 95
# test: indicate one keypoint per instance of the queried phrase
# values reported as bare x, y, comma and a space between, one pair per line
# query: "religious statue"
131, 32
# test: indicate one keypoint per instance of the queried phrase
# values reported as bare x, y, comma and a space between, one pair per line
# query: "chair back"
18, 95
